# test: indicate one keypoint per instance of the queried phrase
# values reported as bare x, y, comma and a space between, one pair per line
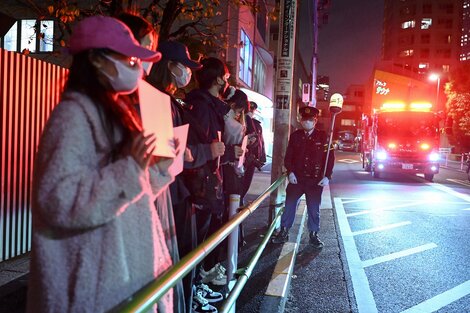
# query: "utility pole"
283, 96
315, 54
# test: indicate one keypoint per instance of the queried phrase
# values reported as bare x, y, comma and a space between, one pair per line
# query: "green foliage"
458, 105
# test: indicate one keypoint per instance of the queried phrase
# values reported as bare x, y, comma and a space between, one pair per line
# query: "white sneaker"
201, 305
220, 268
219, 280
210, 295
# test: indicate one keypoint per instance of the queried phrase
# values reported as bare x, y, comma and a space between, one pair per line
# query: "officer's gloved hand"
292, 179
324, 182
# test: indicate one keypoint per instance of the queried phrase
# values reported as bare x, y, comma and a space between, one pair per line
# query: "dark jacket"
256, 149
209, 112
305, 156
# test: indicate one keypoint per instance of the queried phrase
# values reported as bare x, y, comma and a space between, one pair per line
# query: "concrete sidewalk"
314, 281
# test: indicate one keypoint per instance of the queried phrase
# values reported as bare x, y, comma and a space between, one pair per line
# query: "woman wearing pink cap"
95, 183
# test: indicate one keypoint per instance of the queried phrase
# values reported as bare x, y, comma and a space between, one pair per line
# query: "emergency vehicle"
401, 137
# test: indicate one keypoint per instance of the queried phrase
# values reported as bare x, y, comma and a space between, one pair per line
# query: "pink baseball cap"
100, 32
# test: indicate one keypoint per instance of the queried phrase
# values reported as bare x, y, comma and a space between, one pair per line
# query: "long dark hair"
160, 76
83, 78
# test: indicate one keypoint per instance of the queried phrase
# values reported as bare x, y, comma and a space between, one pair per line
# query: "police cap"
308, 111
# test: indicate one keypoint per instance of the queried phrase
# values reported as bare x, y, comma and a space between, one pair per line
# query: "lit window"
348, 122
446, 68
10, 42
246, 59
408, 24
423, 65
46, 43
23, 35
407, 53
426, 23
28, 35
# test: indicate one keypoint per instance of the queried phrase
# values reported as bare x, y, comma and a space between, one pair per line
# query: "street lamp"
336, 106
435, 77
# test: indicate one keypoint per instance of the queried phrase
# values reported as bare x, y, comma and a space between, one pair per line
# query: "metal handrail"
248, 270
144, 299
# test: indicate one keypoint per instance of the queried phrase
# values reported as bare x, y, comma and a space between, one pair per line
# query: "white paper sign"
181, 134
242, 157
155, 110
219, 135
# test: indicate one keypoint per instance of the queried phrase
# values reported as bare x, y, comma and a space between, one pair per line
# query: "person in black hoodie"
174, 72
209, 110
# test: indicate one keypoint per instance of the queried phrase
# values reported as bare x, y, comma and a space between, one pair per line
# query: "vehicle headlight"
434, 157
381, 155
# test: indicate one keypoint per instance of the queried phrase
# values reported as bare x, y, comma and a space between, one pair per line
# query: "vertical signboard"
285, 57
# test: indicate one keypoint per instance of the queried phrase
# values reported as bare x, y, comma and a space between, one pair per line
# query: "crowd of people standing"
108, 215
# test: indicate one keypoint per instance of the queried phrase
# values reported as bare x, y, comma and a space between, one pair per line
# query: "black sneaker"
282, 236
315, 241
208, 294
201, 305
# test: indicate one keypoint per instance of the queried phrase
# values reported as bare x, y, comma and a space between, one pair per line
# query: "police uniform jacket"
306, 155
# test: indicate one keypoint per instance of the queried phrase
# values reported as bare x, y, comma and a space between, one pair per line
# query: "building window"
347, 122
443, 53
408, 10
424, 53
425, 38
447, 8
259, 75
423, 68
408, 24
10, 41
427, 8
406, 40
407, 53
447, 39
446, 68
426, 23
23, 36
246, 59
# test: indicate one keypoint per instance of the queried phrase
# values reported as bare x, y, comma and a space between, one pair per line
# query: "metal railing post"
232, 251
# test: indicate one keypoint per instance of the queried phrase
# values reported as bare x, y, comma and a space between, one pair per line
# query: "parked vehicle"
401, 138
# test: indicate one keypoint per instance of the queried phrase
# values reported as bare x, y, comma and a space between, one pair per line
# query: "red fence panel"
29, 90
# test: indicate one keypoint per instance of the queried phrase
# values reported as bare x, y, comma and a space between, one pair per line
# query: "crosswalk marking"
381, 228
450, 191
396, 255
404, 205
441, 300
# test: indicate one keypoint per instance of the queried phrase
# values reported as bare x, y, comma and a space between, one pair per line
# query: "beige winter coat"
97, 237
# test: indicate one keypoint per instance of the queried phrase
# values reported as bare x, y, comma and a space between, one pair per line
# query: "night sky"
350, 43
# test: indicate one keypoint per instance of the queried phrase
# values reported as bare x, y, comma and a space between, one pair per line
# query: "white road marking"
364, 298
459, 181
381, 228
387, 208
450, 191
396, 255
441, 300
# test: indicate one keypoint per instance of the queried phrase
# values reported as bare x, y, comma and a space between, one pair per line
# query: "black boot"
282, 236
315, 241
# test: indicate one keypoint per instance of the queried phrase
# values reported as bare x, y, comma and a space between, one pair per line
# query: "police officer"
305, 161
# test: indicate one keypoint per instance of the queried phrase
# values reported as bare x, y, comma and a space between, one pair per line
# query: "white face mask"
147, 66
307, 125
127, 78
185, 78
